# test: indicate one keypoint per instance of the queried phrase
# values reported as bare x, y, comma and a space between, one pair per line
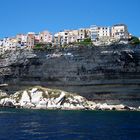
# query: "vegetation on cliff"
134, 41
41, 46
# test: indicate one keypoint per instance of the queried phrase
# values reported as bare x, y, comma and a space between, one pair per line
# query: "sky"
22, 16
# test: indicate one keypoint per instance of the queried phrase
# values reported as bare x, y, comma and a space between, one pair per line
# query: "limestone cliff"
109, 74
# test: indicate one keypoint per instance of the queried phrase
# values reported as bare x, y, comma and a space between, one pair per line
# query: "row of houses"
96, 33
27, 41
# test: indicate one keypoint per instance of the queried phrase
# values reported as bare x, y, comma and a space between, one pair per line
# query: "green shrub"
42, 46
134, 41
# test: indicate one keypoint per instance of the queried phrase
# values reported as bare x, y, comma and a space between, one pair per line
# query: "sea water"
68, 125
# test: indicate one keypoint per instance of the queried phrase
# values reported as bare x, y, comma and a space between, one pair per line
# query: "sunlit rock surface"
44, 98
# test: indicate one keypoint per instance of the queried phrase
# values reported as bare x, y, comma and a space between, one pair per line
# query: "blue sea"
16, 124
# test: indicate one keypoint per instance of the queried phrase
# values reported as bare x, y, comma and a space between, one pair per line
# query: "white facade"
62, 38
73, 36
120, 31
8, 44
99, 32
81, 34
104, 32
22, 40
94, 32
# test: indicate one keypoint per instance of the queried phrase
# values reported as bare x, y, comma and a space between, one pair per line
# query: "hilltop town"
94, 35
82, 61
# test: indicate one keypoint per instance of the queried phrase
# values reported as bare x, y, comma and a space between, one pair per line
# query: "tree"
134, 40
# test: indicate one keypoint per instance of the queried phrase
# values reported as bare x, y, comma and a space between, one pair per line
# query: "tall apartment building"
99, 32
30, 40
57, 38
119, 31
73, 36
94, 32
22, 40
82, 34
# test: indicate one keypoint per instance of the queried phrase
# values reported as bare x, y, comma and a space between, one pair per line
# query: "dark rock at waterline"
127, 108
9, 105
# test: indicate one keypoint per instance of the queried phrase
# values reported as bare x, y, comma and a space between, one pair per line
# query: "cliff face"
98, 73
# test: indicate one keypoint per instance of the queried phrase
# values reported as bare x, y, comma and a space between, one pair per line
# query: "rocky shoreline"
43, 98
109, 74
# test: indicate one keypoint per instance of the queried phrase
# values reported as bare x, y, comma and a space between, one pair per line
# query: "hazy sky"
21, 16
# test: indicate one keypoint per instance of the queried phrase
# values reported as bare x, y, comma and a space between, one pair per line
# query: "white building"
104, 32
22, 40
81, 34
94, 32
99, 32
9, 44
13, 44
119, 31
62, 38
72, 36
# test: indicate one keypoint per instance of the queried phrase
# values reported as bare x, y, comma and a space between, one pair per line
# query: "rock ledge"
44, 98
